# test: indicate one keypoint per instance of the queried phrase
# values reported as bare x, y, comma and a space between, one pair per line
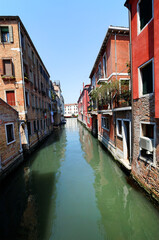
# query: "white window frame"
140, 78
154, 144
117, 124
105, 72
108, 119
8, 143
138, 17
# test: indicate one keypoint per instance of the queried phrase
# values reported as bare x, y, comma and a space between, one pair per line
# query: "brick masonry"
145, 173
8, 152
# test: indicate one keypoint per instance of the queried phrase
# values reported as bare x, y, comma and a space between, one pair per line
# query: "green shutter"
10, 33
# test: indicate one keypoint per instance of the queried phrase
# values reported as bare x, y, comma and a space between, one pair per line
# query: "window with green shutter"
6, 34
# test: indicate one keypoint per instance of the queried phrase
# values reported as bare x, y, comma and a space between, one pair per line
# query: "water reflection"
125, 213
28, 196
70, 188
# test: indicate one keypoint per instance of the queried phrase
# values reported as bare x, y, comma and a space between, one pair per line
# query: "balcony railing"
104, 104
122, 100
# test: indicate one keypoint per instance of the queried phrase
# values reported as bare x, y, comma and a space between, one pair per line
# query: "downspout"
115, 137
131, 79
23, 83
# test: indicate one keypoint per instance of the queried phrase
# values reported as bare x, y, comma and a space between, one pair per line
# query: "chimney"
80, 92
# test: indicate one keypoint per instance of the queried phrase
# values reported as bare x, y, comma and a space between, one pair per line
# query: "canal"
71, 189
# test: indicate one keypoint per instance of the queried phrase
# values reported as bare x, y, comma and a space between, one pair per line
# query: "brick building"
83, 104
59, 112
11, 152
110, 104
144, 19
24, 81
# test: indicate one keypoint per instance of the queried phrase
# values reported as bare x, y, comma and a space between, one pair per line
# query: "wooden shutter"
8, 70
1, 67
10, 33
10, 98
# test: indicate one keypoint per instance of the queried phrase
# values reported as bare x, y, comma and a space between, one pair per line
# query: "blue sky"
68, 35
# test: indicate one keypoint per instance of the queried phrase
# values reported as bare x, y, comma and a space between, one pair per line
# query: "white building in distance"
71, 110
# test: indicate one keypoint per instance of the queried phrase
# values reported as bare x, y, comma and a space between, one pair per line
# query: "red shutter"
10, 98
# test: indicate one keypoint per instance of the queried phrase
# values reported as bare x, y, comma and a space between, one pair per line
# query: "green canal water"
71, 189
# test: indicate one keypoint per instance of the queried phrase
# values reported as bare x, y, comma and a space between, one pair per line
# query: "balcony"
104, 104
122, 100
100, 78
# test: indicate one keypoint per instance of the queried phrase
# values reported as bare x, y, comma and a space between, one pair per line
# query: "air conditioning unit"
146, 143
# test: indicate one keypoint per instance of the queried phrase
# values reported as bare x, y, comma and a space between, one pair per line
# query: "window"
6, 34
147, 141
146, 76
104, 66
99, 71
36, 102
38, 125
119, 127
34, 124
29, 51
25, 68
10, 97
31, 76
7, 67
29, 128
145, 12
33, 101
22, 41
41, 124
105, 123
27, 99
10, 133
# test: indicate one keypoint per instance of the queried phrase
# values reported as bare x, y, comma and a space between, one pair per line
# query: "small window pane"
145, 8
4, 34
147, 78
10, 134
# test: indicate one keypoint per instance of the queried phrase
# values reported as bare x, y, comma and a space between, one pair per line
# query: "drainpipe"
23, 83
112, 101
131, 79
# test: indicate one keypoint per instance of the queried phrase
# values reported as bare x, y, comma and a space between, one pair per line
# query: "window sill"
119, 135
11, 142
5, 77
6, 43
106, 129
147, 95
146, 160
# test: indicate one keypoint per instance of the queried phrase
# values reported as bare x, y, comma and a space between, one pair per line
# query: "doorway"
126, 139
